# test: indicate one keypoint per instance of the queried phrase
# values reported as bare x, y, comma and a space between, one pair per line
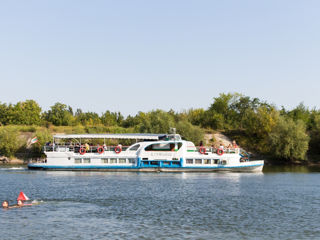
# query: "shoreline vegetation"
282, 137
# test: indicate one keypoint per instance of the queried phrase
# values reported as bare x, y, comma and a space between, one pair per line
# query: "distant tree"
314, 131
22, 113
111, 118
3, 114
196, 116
301, 112
59, 115
88, 118
260, 123
27, 113
289, 139
156, 121
130, 122
190, 132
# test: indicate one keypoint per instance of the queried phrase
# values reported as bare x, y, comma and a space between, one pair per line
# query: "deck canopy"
139, 136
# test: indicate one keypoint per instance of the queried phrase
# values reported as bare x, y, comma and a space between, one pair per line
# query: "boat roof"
143, 136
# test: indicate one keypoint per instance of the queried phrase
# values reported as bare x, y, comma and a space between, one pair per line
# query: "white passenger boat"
150, 152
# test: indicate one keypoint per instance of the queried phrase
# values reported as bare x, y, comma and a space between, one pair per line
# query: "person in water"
5, 204
20, 203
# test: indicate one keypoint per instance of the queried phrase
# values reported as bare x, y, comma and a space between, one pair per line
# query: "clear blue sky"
134, 55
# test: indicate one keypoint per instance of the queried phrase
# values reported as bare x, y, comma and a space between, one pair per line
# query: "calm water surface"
94, 205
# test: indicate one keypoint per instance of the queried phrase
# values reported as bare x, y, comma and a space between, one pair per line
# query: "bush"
289, 139
190, 132
9, 141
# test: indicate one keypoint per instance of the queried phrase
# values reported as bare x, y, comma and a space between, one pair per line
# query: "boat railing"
76, 149
213, 149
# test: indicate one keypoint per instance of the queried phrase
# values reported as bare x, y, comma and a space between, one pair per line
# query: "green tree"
157, 121
315, 132
3, 114
196, 116
26, 113
59, 115
289, 139
111, 118
301, 112
88, 118
190, 132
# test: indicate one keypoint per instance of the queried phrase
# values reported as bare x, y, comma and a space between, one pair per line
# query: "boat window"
206, 161
198, 161
131, 160
190, 161
77, 160
104, 160
134, 147
215, 161
223, 162
113, 160
164, 147
86, 160
122, 160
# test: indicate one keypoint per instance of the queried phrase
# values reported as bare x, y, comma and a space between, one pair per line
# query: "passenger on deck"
234, 144
221, 146
87, 147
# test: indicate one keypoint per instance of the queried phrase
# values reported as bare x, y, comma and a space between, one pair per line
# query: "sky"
140, 55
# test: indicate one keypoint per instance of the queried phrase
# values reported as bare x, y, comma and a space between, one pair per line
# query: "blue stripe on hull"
31, 166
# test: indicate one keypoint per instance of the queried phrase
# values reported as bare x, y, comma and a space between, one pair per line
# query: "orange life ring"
202, 150
100, 150
118, 149
82, 150
220, 152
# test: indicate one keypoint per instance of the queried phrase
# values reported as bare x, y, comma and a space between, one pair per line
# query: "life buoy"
82, 151
100, 150
202, 150
220, 152
118, 149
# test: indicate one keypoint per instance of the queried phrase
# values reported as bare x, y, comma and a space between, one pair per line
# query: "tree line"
257, 125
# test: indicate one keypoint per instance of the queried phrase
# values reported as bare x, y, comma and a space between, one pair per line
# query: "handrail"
71, 148
213, 149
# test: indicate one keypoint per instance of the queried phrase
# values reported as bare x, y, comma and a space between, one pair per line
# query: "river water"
276, 204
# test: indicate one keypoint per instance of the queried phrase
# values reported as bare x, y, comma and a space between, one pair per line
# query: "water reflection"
291, 168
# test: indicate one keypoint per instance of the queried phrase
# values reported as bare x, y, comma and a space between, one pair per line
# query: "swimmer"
20, 203
5, 204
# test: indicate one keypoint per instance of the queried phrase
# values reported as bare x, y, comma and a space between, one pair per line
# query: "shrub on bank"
289, 139
9, 141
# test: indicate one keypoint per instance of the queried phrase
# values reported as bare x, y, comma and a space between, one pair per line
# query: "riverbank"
13, 161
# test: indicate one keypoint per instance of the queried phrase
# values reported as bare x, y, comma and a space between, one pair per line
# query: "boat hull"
254, 167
